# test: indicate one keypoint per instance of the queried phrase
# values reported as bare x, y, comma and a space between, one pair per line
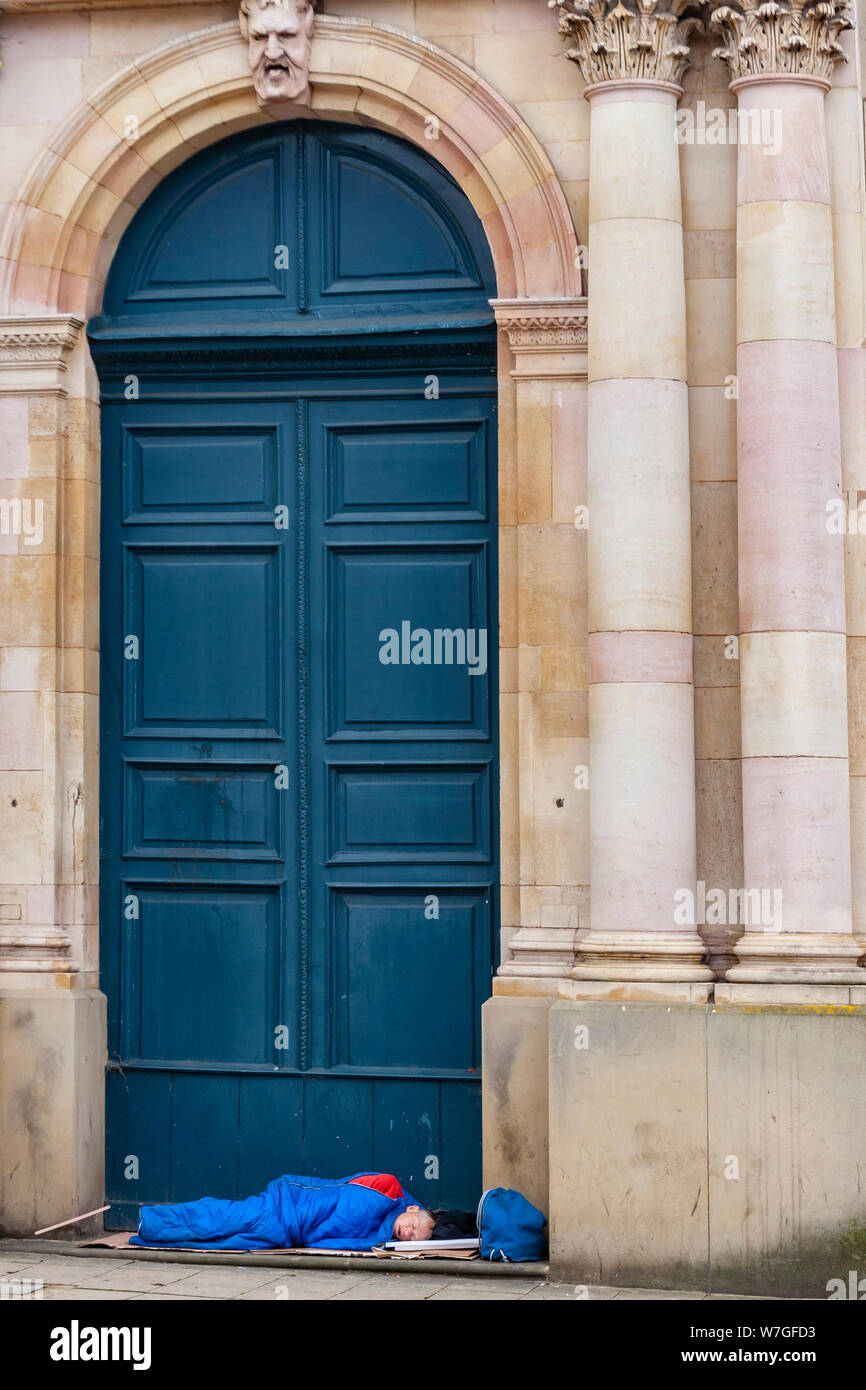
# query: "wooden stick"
72, 1220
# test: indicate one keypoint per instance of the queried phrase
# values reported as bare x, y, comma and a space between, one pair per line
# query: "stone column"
52, 1016
641, 701
796, 825
845, 139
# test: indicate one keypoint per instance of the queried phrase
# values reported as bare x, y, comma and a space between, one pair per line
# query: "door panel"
190, 812
200, 473
395, 590
410, 813
225, 940
194, 678
400, 1017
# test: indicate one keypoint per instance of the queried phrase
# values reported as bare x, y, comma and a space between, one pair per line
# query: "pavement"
92, 1278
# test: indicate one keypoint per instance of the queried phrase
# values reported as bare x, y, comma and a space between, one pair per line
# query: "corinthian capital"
615, 40
782, 36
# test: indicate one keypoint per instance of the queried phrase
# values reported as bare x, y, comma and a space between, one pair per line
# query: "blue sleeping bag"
327, 1213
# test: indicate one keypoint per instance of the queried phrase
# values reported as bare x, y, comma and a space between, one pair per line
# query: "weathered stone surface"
712, 1147
514, 1060
787, 1102
51, 1106
628, 1136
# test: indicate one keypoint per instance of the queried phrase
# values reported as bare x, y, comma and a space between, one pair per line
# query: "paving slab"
230, 1283
573, 1293
70, 1262
517, 1287
63, 1272
166, 1298
305, 1288
141, 1280
275, 1293
13, 1266
457, 1293
396, 1288
657, 1295
754, 1298
63, 1293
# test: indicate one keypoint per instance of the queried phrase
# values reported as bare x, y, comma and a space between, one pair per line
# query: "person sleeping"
293, 1212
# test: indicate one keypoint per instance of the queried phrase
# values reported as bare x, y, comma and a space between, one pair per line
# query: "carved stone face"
279, 37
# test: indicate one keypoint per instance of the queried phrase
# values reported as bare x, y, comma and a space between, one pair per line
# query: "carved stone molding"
830, 958
616, 41
541, 953
782, 37
547, 336
678, 957
34, 351
35, 952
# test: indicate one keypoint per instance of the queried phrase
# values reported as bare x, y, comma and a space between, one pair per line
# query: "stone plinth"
515, 1096
52, 1043
715, 1146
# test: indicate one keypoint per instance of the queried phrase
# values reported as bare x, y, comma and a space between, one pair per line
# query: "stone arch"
56, 247
61, 234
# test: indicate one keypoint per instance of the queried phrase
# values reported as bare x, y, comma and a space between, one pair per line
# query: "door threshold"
258, 1258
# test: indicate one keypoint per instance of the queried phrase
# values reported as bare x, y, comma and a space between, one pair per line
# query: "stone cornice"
33, 352
548, 337
44, 338
640, 39
542, 323
782, 37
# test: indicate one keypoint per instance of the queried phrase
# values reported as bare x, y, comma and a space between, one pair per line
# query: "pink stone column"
796, 825
641, 699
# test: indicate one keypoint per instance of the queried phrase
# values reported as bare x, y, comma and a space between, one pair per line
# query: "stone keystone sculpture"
280, 35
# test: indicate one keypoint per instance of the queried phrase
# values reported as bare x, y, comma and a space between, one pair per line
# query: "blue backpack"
510, 1228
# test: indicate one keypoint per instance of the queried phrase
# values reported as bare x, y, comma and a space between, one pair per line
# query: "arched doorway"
299, 675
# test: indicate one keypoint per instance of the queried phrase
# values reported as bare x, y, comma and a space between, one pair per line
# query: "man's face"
280, 52
414, 1224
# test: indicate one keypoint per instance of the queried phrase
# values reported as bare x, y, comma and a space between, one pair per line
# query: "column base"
540, 951
798, 957
674, 956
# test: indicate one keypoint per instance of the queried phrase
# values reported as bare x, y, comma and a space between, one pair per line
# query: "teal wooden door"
299, 671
